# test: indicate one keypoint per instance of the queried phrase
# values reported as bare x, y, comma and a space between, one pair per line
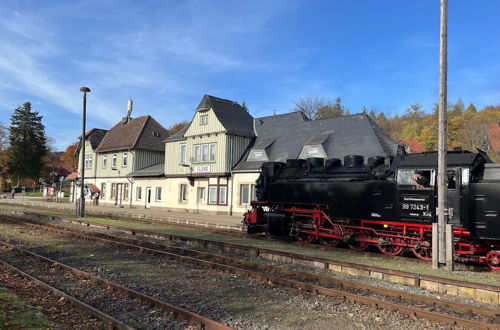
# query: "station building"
211, 165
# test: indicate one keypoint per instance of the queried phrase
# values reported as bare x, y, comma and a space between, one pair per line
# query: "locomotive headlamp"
386, 225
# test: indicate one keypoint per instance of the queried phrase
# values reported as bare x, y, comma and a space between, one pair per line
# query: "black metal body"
376, 191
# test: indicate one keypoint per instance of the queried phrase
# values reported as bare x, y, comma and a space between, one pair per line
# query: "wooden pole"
443, 105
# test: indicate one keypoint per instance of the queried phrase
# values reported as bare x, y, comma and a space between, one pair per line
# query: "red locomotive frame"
310, 223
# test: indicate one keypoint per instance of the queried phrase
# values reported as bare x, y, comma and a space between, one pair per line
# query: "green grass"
15, 314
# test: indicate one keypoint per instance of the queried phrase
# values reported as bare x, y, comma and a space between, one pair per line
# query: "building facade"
212, 164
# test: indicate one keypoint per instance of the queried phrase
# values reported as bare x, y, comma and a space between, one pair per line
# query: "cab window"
415, 177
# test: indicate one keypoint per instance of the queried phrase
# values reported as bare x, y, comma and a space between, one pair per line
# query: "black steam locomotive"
391, 205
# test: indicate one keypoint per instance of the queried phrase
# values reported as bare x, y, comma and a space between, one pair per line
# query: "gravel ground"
62, 314
301, 268
237, 301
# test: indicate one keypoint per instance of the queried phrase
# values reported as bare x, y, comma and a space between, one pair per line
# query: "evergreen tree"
27, 143
471, 108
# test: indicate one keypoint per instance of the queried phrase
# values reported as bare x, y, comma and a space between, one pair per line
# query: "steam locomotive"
379, 203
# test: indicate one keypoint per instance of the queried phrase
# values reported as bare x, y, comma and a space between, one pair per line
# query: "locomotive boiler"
387, 204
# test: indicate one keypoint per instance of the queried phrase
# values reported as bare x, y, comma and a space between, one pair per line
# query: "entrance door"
148, 197
119, 193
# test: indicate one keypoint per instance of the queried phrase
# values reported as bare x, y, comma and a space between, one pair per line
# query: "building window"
247, 193
103, 190
203, 119
183, 193
138, 193
212, 151
244, 194
113, 161
158, 194
201, 194
113, 190
196, 153
104, 161
182, 153
204, 152
223, 195
125, 158
125, 191
88, 161
212, 195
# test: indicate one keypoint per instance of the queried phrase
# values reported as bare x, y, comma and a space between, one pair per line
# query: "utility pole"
80, 212
443, 126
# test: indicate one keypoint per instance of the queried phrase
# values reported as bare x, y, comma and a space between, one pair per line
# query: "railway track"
414, 305
407, 278
114, 301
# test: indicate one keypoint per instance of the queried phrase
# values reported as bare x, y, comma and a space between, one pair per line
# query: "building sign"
202, 169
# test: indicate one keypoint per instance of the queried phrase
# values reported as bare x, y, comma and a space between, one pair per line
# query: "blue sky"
166, 55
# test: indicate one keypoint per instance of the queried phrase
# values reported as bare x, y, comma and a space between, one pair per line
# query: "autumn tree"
316, 107
70, 156
174, 128
27, 143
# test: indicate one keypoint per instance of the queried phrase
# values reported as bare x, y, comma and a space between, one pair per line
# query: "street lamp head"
84, 89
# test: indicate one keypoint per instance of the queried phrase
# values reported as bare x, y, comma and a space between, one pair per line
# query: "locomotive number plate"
415, 207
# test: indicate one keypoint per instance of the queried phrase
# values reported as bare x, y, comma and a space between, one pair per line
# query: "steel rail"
205, 323
439, 317
257, 251
116, 324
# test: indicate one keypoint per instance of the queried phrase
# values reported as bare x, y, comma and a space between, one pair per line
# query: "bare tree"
316, 107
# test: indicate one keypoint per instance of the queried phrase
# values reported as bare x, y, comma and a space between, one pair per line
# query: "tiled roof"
95, 136
232, 116
347, 135
140, 133
493, 131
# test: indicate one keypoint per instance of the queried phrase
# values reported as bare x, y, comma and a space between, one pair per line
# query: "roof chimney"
129, 111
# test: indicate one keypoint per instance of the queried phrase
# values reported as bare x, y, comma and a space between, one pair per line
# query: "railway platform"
200, 219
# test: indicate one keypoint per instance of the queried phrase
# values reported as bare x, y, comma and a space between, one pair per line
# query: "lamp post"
80, 211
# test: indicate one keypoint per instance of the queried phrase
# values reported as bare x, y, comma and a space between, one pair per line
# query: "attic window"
204, 119
257, 155
314, 150
155, 134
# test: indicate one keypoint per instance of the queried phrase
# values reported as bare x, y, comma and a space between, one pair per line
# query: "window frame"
125, 192
204, 152
114, 160
210, 194
201, 198
204, 119
138, 193
125, 159
182, 153
183, 198
103, 190
241, 201
221, 188
104, 162
210, 154
158, 195
197, 153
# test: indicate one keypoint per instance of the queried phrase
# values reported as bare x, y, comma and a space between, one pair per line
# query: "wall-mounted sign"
202, 169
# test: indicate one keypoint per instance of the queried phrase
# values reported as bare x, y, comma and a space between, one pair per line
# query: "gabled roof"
347, 135
94, 136
493, 132
138, 133
231, 115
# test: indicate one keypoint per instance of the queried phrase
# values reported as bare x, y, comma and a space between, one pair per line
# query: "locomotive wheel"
388, 248
356, 243
329, 241
306, 237
423, 251
493, 260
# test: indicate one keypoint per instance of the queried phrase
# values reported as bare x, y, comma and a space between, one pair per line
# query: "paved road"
222, 221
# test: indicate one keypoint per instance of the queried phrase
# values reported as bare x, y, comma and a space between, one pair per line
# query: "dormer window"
204, 119
315, 146
257, 155
258, 152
